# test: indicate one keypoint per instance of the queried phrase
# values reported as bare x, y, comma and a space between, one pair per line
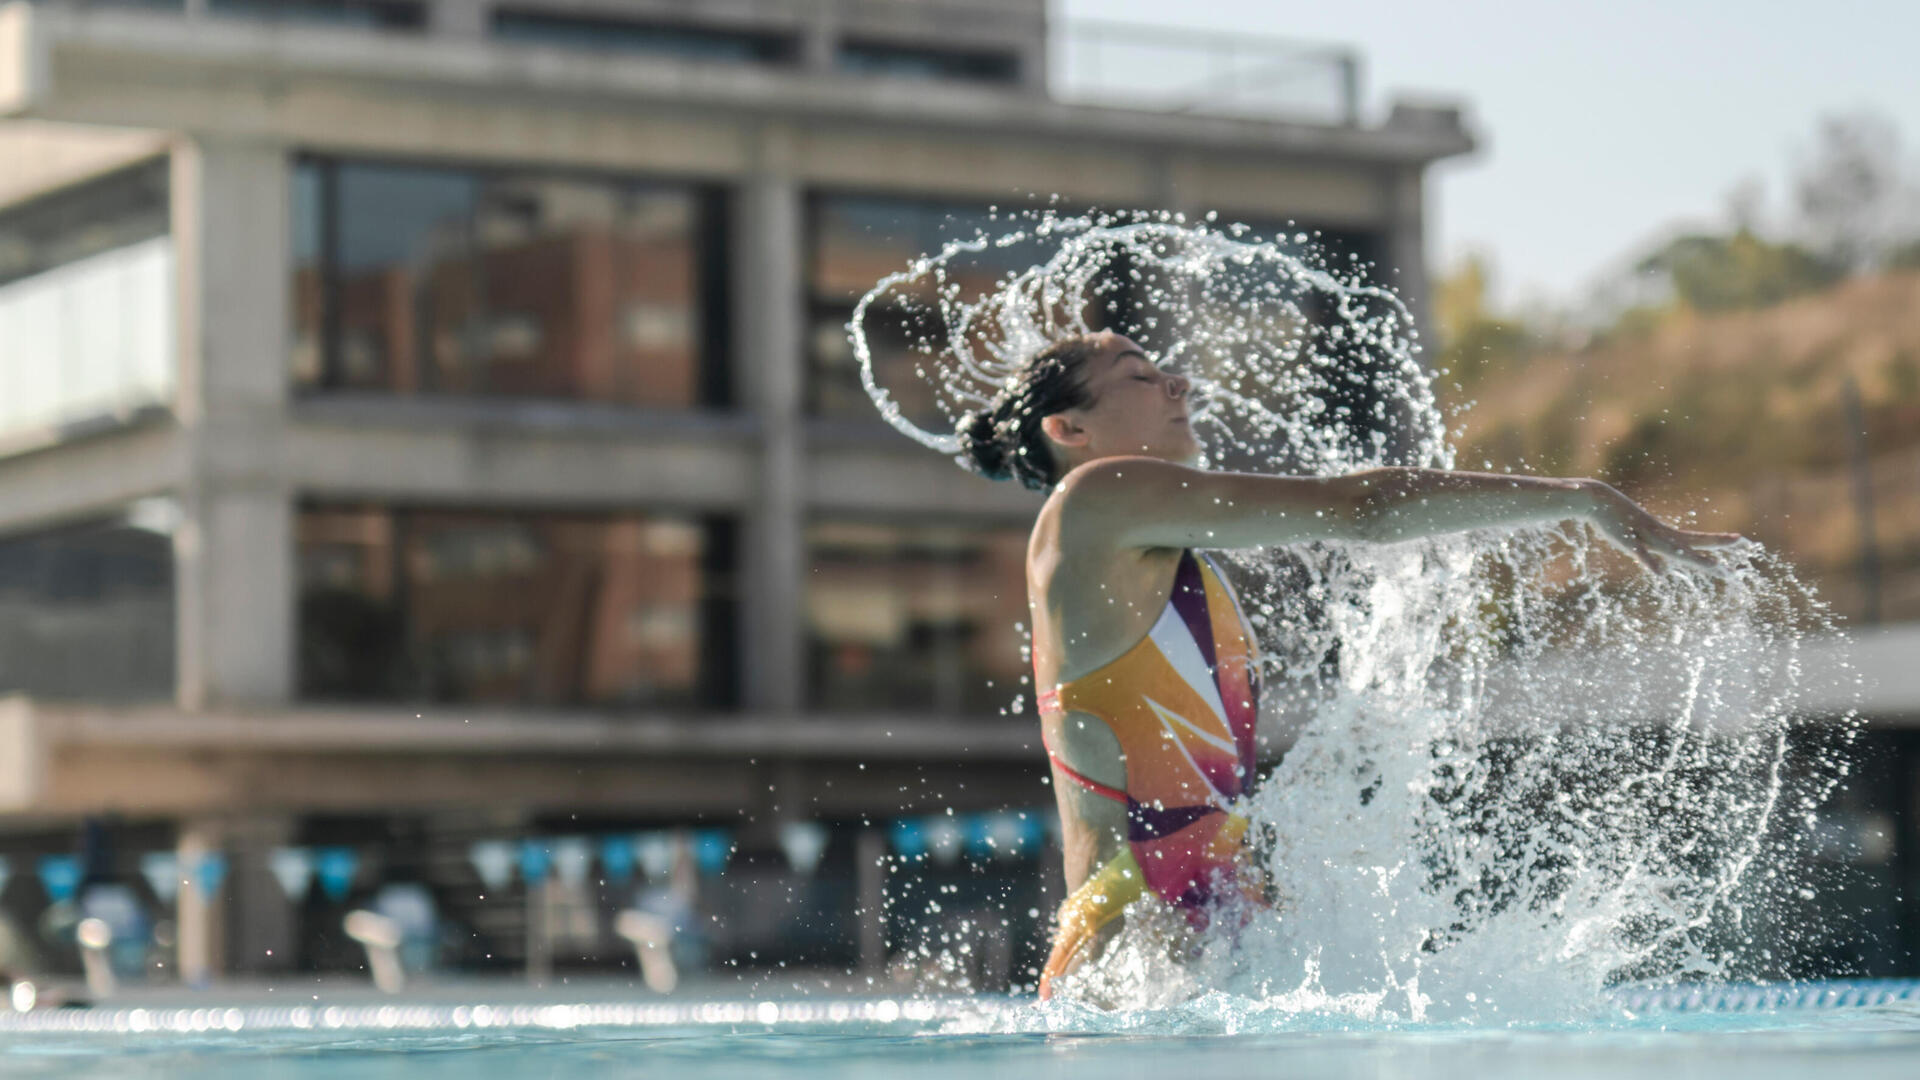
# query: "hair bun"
982, 449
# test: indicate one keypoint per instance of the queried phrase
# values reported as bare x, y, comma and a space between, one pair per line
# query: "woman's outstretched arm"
1146, 502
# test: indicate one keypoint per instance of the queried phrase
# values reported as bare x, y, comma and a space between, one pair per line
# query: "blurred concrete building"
427, 421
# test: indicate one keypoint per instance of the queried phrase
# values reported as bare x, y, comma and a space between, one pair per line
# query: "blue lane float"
1781, 997
399, 1016
423, 1017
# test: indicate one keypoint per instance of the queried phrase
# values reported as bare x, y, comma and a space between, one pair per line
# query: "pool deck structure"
916, 104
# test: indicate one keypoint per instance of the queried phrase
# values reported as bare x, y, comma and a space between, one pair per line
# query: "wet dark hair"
1004, 440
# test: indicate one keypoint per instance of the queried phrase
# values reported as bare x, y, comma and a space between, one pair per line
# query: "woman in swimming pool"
1145, 665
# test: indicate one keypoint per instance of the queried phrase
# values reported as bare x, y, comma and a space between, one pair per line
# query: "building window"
875, 58
1355, 398
856, 241
683, 42
86, 610
86, 301
489, 607
916, 618
427, 280
370, 14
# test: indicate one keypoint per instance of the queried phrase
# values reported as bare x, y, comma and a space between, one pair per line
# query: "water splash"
1521, 770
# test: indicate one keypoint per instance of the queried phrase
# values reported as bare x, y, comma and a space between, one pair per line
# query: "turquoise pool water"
1833, 1030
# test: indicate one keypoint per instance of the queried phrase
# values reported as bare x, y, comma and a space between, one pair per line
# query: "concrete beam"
37, 157
1322, 193
469, 733
880, 473
154, 70
158, 761
91, 475
449, 452
444, 451
143, 783
1875, 670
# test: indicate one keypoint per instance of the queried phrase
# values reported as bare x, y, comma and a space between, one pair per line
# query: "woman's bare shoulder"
1089, 502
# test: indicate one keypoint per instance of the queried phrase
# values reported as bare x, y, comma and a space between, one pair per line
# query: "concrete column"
540, 932
1406, 254
260, 916
200, 918
768, 231
819, 41
458, 18
1406, 272
1034, 62
1166, 191
234, 550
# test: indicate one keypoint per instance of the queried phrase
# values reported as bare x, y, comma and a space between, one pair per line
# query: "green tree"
1726, 273
1904, 256
1852, 191
1474, 342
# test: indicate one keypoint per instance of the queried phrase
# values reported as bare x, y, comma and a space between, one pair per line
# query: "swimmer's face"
1135, 408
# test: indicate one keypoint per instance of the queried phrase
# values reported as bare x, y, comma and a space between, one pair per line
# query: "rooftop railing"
1166, 69
1095, 62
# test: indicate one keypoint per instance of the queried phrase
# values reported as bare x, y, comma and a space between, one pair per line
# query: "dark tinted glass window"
86, 611
651, 39
916, 618
512, 608
912, 62
858, 240
71, 224
374, 14
451, 281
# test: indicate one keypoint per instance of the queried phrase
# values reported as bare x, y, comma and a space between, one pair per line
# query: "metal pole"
539, 934
1862, 470
1350, 90
870, 855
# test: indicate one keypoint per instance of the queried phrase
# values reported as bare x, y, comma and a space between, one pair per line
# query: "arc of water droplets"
988, 338
1525, 772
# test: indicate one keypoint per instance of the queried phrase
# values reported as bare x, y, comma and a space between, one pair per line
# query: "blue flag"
60, 876
535, 861
711, 848
336, 867
909, 839
209, 872
162, 871
616, 858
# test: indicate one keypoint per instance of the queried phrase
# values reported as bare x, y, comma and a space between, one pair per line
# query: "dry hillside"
1739, 418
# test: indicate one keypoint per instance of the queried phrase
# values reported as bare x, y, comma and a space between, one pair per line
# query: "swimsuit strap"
1050, 703
1085, 781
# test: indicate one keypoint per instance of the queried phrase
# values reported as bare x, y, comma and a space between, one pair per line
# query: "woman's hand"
1653, 543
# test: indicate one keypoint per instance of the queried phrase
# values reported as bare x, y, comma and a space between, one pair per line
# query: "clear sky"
1603, 123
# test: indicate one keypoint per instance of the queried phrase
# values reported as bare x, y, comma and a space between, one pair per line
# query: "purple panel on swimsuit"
1190, 601
1243, 735
1147, 823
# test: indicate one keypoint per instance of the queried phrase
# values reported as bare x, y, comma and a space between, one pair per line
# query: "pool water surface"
1841, 1030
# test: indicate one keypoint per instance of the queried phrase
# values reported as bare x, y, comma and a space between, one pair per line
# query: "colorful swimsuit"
1183, 704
